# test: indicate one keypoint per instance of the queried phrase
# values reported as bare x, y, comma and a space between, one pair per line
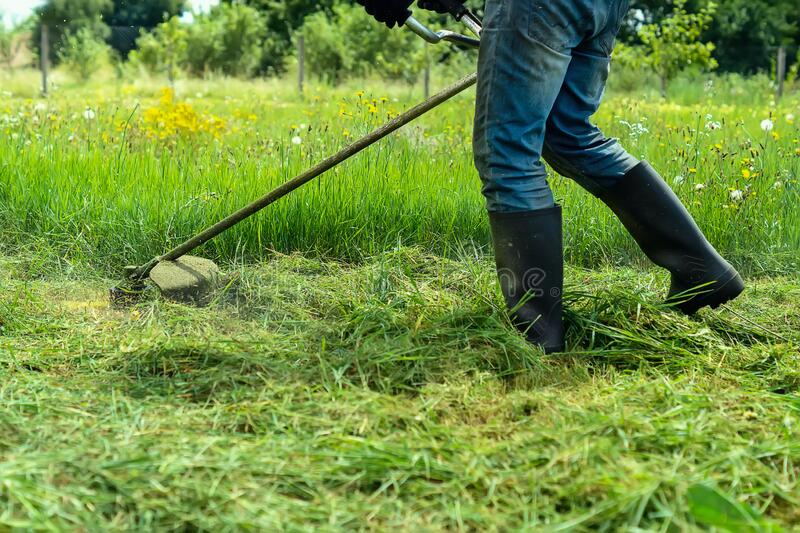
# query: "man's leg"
520, 75
645, 204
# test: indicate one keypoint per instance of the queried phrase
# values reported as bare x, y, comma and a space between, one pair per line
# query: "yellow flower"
692, 170
775, 135
746, 173
372, 110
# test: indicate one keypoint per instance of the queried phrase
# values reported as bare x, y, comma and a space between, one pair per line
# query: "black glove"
435, 5
390, 12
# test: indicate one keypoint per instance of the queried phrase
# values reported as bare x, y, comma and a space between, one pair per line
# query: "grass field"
362, 373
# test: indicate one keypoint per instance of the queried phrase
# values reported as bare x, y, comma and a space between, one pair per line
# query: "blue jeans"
542, 72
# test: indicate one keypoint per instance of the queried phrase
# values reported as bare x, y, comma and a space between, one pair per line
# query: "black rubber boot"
669, 236
530, 265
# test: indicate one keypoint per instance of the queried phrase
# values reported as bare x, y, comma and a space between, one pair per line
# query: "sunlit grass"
115, 175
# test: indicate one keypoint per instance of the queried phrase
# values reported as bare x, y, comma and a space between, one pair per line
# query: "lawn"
361, 372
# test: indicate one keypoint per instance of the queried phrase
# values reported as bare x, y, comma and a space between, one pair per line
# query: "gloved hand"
435, 5
390, 12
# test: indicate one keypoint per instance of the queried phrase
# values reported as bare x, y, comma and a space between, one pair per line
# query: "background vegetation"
258, 37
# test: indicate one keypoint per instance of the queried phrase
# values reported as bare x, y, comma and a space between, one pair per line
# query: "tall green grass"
98, 191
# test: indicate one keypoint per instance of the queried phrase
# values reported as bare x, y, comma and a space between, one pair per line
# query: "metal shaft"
365, 142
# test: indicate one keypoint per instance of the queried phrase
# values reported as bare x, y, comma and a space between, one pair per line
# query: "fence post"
44, 59
301, 63
781, 67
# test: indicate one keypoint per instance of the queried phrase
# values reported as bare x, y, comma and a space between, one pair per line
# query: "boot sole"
731, 289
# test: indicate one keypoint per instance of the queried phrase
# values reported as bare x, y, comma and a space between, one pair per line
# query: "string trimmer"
191, 279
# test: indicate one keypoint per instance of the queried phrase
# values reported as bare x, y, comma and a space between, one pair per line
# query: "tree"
672, 45
281, 19
746, 33
226, 40
343, 45
163, 49
69, 16
129, 17
83, 53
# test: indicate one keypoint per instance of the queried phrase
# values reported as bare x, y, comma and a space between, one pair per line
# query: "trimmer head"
188, 280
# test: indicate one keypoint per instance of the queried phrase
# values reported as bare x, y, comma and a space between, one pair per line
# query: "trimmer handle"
434, 37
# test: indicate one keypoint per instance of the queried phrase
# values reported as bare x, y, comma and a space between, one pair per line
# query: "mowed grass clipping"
394, 395
115, 174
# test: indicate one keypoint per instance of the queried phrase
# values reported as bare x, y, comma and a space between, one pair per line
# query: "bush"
226, 40
350, 44
163, 50
83, 53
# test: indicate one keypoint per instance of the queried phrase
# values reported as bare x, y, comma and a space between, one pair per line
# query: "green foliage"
672, 45
225, 40
117, 21
345, 45
68, 17
144, 13
746, 32
793, 74
235, 33
129, 16
164, 49
83, 53
282, 18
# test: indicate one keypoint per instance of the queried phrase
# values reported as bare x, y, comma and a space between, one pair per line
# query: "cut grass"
394, 394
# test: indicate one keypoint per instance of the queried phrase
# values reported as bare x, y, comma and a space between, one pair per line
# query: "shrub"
351, 44
83, 53
164, 49
227, 40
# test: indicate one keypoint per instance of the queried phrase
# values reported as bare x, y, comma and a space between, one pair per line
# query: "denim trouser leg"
540, 79
518, 82
575, 147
